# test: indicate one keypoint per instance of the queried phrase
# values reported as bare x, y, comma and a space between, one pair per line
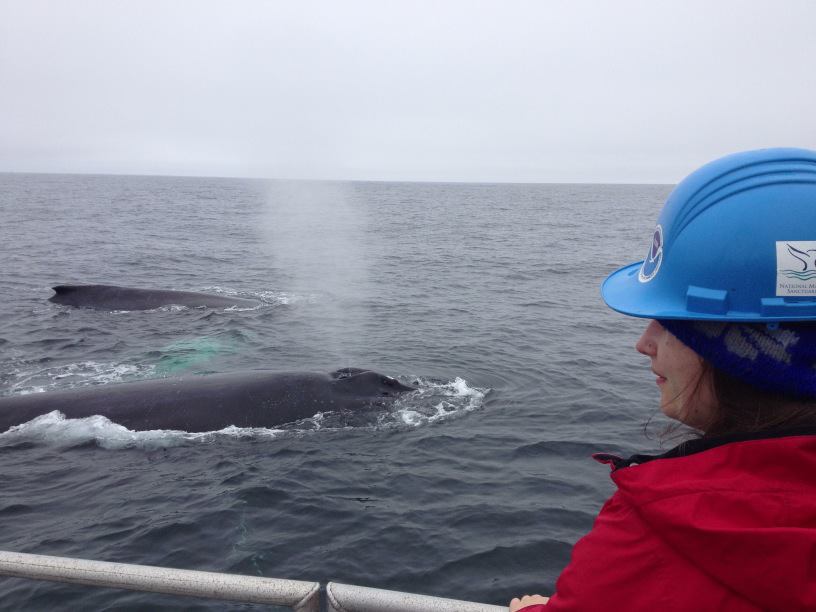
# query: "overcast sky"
567, 91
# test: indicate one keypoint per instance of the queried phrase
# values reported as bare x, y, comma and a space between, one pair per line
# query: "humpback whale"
255, 398
112, 297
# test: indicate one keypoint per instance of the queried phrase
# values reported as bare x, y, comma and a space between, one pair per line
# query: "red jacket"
726, 525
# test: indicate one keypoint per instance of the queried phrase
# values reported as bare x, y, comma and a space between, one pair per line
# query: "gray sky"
576, 91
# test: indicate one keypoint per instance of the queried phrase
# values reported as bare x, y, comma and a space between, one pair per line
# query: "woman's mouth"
660, 379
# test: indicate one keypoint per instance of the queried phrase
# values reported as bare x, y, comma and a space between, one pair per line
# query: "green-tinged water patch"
183, 355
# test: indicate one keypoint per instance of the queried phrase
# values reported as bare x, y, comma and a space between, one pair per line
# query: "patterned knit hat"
780, 358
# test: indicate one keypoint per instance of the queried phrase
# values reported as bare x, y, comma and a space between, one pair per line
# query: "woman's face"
683, 395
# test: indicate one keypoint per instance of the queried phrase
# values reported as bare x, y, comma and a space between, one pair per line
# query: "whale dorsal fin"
63, 289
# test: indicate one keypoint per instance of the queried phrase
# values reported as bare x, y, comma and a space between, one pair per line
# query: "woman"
726, 520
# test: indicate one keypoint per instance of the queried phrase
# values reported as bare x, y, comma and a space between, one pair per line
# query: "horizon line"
338, 180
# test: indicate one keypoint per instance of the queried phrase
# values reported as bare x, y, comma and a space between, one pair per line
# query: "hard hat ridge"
730, 244
751, 175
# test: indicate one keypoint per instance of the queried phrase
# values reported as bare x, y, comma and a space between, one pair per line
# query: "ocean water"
486, 296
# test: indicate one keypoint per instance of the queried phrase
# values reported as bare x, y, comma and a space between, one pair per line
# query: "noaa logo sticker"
796, 268
655, 257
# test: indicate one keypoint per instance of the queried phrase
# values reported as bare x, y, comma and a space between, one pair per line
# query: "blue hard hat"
735, 241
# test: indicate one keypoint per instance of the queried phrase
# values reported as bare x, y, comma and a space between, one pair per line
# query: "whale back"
114, 297
255, 398
368, 382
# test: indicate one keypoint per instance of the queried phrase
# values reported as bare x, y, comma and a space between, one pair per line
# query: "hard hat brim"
623, 292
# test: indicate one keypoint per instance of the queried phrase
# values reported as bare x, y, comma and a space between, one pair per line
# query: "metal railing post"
299, 595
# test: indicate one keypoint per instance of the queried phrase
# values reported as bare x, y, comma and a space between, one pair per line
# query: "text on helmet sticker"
655, 257
796, 267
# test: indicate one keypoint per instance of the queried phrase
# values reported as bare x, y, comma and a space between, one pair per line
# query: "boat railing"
350, 598
302, 596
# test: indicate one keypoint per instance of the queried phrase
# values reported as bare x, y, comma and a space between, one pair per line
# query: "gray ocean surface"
484, 295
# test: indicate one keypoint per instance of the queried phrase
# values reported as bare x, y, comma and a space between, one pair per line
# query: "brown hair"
743, 408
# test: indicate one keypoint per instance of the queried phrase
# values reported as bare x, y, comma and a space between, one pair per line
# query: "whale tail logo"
805, 269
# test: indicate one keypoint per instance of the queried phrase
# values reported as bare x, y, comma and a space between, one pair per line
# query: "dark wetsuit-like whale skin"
255, 398
113, 297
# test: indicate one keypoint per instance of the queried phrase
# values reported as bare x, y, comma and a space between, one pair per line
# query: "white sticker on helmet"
796, 268
654, 258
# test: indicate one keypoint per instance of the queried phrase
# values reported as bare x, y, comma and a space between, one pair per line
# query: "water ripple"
476, 488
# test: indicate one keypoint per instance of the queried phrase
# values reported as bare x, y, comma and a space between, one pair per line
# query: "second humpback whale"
113, 297
255, 398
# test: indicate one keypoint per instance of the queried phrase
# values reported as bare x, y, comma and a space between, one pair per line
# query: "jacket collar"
698, 445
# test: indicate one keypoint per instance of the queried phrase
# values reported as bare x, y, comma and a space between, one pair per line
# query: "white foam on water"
316, 421
32, 389
166, 308
435, 401
286, 298
266, 298
74, 375
170, 308
53, 429
237, 308
432, 401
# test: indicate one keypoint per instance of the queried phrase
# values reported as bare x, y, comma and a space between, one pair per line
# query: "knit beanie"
776, 357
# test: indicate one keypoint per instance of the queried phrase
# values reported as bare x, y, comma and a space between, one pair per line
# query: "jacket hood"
743, 512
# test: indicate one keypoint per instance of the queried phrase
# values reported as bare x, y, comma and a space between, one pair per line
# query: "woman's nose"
647, 343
